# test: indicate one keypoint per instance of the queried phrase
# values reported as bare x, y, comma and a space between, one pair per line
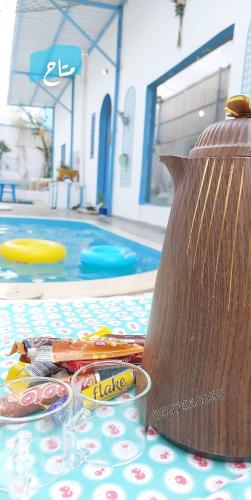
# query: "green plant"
101, 199
38, 129
4, 148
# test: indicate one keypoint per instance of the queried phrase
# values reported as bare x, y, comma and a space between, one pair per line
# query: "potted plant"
65, 172
4, 148
101, 204
124, 160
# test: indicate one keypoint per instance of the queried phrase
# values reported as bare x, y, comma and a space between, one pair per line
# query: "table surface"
163, 472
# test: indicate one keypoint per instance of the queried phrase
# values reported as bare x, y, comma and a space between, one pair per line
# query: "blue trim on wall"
72, 121
212, 44
68, 202
52, 197
151, 92
115, 112
53, 145
81, 196
92, 138
104, 148
62, 154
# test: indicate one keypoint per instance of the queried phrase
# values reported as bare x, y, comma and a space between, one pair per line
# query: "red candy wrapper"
37, 398
32, 400
73, 366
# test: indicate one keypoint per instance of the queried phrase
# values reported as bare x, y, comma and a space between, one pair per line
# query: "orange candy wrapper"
57, 351
89, 350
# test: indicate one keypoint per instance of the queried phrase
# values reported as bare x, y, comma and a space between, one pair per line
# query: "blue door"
104, 150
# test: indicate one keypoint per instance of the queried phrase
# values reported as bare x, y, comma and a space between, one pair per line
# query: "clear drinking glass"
34, 413
109, 422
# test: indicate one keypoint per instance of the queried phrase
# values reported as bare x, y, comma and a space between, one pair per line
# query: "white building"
112, 122
25, 162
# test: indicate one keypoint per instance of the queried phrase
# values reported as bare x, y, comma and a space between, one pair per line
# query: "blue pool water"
75, 236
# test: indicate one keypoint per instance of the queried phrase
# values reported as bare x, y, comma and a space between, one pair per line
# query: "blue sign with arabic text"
53, 64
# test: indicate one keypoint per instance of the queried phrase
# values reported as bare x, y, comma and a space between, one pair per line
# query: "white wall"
90, 90
98, 85
149, 49
24, 162
62, 129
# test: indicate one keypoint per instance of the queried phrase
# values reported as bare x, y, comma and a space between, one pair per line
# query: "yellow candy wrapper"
109, 388
18, 370
104, 330
22, 370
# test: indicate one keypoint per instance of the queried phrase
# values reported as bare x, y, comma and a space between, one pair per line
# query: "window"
93, 120
180, 107
246, 80
127, 138
62, 159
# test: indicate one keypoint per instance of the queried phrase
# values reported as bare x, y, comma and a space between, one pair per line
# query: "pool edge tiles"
109, 287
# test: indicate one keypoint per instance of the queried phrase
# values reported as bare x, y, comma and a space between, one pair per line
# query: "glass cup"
109, 422
33, 416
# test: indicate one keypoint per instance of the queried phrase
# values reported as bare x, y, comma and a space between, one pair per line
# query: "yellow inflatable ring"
33, 251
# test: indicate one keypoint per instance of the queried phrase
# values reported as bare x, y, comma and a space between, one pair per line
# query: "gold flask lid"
230, 137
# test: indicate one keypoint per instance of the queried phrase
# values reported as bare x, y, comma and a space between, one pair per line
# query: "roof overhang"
49, 22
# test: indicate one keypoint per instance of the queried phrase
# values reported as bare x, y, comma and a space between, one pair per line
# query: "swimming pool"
75, 236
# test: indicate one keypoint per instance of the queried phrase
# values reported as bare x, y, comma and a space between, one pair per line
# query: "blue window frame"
151, 101
62, 156
92, 142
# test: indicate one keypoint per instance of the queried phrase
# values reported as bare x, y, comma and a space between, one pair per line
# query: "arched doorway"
104, 150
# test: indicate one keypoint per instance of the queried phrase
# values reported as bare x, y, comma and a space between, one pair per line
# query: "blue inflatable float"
108, 257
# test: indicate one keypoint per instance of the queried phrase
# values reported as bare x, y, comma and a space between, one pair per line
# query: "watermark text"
188, 404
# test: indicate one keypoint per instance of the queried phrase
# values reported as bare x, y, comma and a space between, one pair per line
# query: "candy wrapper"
31, 400
57, 350
29, 348
36, 369
22, 370
129, 339
36, 398
109, 388
73, 366
86, 380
